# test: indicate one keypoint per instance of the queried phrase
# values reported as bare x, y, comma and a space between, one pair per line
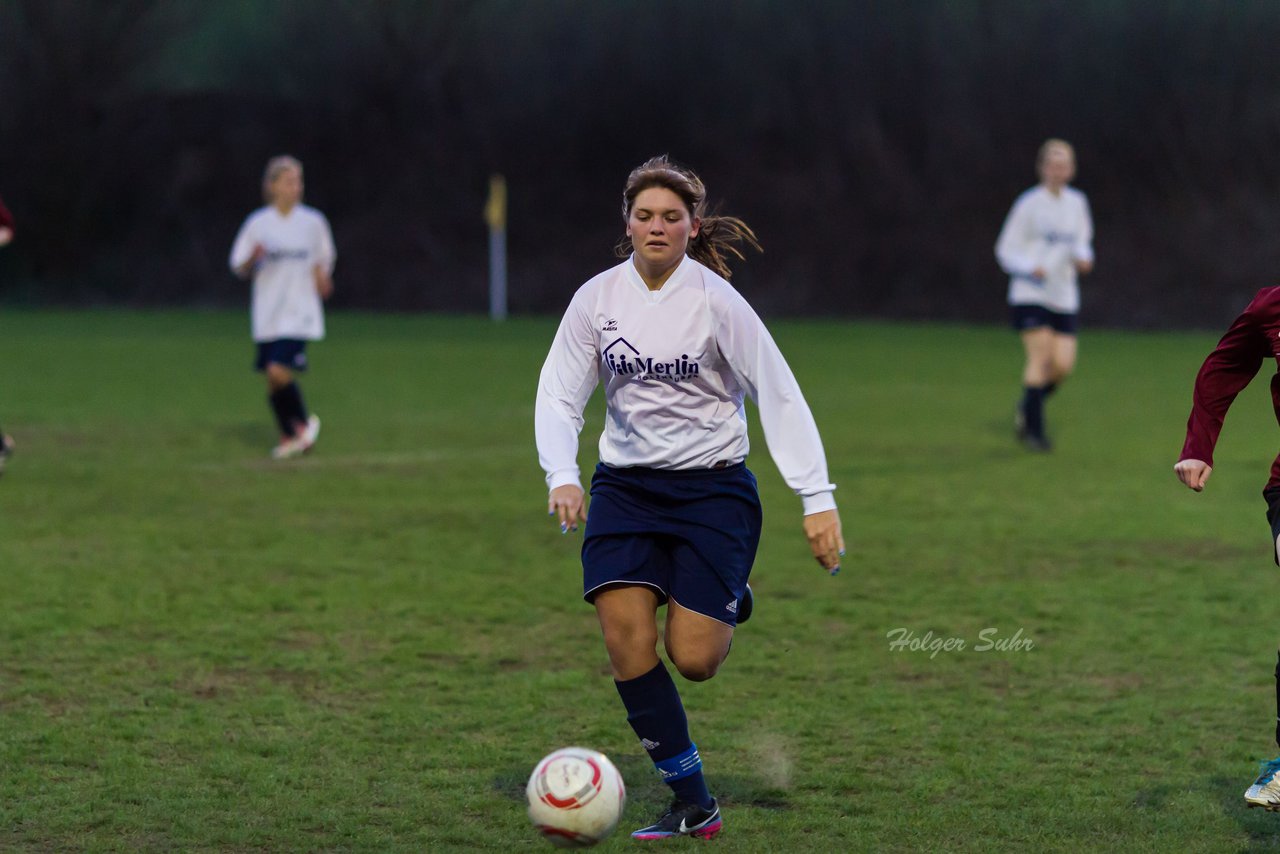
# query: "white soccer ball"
575, 797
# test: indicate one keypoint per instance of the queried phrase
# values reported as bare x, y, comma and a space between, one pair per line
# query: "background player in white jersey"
6, 236
675, 515
287, 248
1046, 242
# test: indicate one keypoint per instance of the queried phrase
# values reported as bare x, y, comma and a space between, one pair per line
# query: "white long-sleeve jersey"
1052, 233
285, 303
676, 364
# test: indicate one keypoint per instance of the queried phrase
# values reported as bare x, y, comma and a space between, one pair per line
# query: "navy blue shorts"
289, 352
690, 535
1024, 317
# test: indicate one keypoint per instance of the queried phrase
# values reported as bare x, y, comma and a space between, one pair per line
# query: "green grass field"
368, 649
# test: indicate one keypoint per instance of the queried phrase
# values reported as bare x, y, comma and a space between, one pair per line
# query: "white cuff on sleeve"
818, 502
564, 477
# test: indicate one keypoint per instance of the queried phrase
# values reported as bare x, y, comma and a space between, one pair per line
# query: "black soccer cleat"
684, 820
746, 605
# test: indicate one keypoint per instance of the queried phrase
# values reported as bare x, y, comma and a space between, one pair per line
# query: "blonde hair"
718, 237
276, 166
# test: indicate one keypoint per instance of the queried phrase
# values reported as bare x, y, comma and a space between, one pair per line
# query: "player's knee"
278, 375
624, 638
697, 668
698, 672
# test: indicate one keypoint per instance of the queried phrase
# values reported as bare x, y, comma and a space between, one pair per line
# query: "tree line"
874, 146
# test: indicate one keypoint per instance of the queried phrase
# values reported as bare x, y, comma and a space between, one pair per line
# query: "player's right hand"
565, 502
1193, 473
826, 541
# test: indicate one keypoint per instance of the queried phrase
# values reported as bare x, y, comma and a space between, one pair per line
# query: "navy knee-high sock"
656, 714
283, 411
295, 400
1033, 410
1278, 699
292, 398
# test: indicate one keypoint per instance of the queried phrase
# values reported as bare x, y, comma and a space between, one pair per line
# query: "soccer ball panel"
576, 796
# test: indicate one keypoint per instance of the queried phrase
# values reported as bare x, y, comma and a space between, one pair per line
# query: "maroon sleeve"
1229, 368
6, 218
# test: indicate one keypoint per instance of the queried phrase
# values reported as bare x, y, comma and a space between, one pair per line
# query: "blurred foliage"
875, 146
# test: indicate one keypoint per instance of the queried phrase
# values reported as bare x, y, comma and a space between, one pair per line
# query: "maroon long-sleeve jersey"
6, 218
1253, 337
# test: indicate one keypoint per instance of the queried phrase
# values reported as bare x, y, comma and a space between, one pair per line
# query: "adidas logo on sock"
647, 744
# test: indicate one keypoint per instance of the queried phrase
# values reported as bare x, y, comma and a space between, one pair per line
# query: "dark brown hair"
719, 236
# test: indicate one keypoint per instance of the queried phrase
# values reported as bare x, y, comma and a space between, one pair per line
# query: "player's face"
1058, 168
660, 227
286, 189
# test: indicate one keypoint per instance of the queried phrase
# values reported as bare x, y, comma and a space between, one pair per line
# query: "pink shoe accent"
709, 831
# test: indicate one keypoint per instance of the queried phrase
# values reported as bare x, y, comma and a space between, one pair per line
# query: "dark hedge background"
874, 146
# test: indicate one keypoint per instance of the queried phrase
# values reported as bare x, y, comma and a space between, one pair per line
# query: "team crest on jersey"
626, 361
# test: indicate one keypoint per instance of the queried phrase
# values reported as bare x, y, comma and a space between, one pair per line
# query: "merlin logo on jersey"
286, 255
610, 325
625, 361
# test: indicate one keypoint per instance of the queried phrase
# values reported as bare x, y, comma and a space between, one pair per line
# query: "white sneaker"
1265, 791
289, 448
311, 432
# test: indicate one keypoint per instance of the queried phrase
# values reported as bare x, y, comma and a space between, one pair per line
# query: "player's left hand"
825, 540
324, 283
567, 503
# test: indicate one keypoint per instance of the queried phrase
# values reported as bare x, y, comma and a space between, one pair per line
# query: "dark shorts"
1024, 317
289, 352
1272, 497
689, 535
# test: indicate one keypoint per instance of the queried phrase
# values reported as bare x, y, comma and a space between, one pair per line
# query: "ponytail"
719, 237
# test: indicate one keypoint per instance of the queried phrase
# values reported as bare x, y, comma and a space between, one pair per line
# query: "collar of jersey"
673, 281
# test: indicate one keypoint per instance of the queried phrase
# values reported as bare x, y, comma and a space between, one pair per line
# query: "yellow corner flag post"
495, 213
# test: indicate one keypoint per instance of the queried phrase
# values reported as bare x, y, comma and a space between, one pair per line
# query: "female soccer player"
675, 516
1046, 242
1252, 338
6, 236
287, 248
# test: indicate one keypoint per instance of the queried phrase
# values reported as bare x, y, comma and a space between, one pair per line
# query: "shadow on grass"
1262, 827
645, 789
252, 434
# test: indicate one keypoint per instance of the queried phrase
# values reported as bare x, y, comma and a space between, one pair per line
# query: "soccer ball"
575, 797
